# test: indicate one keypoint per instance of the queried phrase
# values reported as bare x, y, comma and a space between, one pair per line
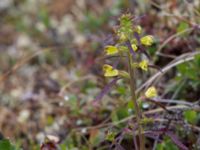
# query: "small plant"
131, 46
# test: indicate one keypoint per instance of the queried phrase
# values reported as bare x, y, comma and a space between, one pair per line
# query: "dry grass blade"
179, 60
157, 110
171, 38
19, 64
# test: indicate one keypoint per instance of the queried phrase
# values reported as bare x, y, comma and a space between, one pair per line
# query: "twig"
181, 102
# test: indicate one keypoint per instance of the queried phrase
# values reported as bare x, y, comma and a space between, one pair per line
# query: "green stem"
134, 98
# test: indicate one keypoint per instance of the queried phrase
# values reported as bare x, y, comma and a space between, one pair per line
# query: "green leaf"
111, 136
182, 26
152, 50
122, 113
119, 114
197, 60
122, 90
190, 116
167, 144
188, 70
6, 145
130, 104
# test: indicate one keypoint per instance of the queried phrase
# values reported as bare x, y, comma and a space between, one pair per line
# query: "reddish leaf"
105, 90
49, 146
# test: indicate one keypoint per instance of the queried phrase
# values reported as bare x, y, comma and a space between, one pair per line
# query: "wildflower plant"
130, 44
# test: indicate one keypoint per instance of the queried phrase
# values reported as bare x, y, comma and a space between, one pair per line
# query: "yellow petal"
151, 92
107, 67
134, 46
144, 65
109, 71
110, 50
147, 40
138, 29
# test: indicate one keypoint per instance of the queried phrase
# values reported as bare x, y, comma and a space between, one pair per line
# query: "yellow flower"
147, 40
122, 37
138, 29
110, 50
144, 65
151, 92
134, 46
109, 71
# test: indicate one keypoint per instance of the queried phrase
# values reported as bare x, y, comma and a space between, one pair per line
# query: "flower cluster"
131, 43
127, 31
132, 34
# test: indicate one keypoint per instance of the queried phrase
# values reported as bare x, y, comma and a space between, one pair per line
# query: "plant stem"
134, 98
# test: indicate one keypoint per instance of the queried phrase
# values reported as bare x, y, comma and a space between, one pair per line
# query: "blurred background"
50, 66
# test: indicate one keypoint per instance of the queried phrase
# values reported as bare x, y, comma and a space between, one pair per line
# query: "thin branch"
181, 102
149, 112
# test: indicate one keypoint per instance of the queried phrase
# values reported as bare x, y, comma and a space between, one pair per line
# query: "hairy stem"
134, 98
